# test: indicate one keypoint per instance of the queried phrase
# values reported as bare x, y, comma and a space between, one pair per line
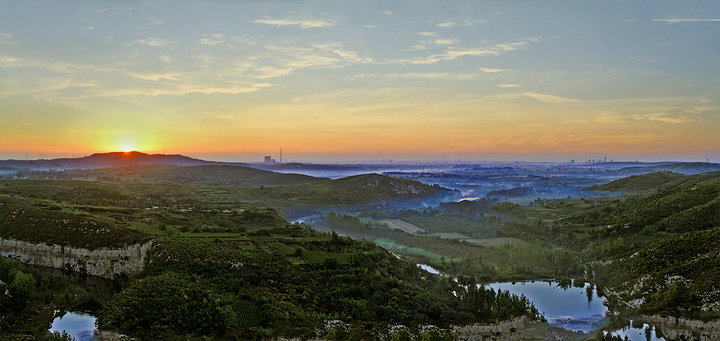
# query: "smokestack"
280, 155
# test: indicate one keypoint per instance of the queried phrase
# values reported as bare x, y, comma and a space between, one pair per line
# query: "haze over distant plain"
359, 80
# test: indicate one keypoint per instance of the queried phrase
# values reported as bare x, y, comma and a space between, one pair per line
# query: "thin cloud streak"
546, 98
303, 24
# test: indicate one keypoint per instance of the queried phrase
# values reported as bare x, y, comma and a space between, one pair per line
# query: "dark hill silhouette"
104, 160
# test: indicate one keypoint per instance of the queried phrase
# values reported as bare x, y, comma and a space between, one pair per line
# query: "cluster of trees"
290, 282
16, 287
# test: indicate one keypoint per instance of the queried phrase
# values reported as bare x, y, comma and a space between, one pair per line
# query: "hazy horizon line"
387, 159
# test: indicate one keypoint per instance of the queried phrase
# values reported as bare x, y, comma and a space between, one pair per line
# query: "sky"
362, 80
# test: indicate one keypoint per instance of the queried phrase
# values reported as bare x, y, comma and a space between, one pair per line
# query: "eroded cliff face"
674, 328
102, 262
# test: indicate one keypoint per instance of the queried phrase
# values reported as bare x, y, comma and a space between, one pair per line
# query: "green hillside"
205, 174
676, 275
655, 252
228, 269
358, 189
655, 181
639, 183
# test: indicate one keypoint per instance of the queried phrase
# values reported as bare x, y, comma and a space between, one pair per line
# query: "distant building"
269, 159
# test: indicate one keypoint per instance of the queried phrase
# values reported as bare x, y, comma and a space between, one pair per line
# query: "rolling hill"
358, 189
104, 160
655, 181
202, 174
675, 167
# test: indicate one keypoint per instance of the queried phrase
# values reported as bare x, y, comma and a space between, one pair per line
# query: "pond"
633, 332
77, 324
576, 308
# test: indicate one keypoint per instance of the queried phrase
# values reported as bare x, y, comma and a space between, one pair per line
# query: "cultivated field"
400, 224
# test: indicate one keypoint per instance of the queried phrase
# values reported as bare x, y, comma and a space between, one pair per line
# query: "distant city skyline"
336, 159
342, 81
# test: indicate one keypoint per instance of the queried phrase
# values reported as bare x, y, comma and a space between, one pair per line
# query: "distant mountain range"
122, 159
104, 160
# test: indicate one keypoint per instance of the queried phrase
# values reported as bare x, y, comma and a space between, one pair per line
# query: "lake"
572, 308
78, 325
637, 333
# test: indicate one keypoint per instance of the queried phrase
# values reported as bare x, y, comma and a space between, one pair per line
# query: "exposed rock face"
104, 263
503, 330
679, 328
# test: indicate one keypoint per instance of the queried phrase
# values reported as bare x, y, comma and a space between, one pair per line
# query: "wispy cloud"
445, 41
492, 70
154, 76
452, 53
303, 24
183, 89
387, 12
420, 75
7, 39
155, 42
662, 117
611, 117
8, 61
681, 20
456, 23
546, 98
212, 39
508, 85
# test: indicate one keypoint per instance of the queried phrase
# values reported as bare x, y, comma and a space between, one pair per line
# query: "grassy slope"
49, 222
359, 189
242, 272
210, 174
673, 266
655, 181
639, 183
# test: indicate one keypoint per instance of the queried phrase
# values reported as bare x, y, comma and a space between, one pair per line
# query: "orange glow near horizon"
422, 82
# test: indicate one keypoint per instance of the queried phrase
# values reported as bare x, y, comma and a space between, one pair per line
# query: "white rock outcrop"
102, 262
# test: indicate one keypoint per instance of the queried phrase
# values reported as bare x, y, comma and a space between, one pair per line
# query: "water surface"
78, 325
570, 307
636, 333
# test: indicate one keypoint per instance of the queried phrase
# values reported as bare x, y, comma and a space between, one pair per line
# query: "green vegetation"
208, 175
639, 183
16, 287
534, 259
229, 269
359, 189
286, 281
30, 297
655, 252
46, 222
663, 180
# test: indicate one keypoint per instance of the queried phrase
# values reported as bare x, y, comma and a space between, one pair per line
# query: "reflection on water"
637, 333
78, 325
577, 308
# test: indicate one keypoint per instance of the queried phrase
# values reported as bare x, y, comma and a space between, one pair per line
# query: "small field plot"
491, 242
450, 235
400, 224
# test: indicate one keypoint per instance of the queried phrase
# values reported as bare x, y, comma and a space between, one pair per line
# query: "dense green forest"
654, 250
656, 253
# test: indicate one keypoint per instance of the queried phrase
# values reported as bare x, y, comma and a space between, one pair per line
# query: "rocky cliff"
103, 262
